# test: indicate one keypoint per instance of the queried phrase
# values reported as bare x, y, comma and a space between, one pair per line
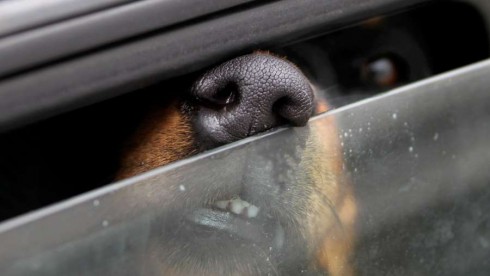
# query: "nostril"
219, 97
279, 107
294, 110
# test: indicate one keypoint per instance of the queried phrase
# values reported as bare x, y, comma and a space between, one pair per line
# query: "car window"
413, 186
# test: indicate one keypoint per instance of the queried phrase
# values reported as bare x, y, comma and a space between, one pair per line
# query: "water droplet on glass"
484, 242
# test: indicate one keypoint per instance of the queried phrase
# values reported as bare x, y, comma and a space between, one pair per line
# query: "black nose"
250, 94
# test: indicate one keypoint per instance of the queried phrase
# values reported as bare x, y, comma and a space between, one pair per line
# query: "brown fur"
164, 136
333, 207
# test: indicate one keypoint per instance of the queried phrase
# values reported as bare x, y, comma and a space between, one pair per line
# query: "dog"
307, 226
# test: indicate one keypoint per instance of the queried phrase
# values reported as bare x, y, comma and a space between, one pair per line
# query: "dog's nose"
250, 94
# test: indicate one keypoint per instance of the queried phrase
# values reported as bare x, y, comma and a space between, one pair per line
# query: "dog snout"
248, 95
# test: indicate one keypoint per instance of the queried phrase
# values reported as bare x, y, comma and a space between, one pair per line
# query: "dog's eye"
383, 71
